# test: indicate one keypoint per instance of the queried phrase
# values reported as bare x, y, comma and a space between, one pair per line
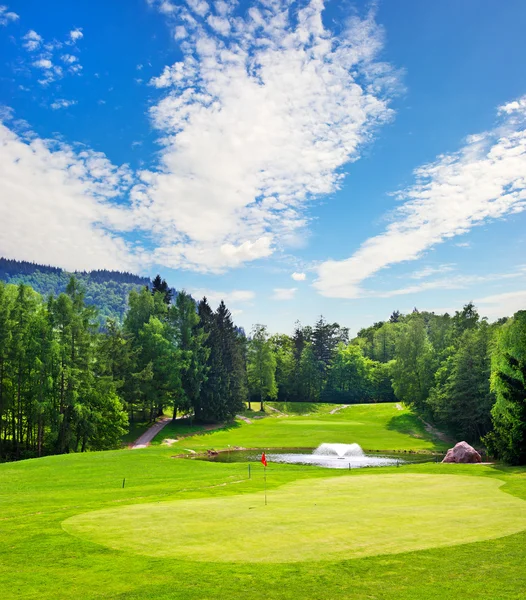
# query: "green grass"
380, 427
335, 518
426, 504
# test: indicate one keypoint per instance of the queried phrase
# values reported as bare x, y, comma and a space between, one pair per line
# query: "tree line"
107, 290
458, 371
68, 385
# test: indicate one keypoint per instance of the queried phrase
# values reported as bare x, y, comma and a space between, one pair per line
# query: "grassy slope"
373, 426
38, 559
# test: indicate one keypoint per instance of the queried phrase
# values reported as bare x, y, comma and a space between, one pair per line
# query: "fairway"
384, 427
333, 518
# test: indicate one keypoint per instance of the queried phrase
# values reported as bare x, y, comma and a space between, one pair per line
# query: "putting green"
309, 520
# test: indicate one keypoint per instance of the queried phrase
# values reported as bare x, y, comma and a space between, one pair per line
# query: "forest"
68, 385
107, 290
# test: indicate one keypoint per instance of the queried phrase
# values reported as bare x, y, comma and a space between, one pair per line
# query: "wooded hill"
107, 290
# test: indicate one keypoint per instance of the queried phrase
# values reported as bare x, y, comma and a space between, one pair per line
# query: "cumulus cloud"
7, 16
32, 40
76, 34
255, 125
61, 103
43, 63
56, 205
484, 180
284, 293
69, 58
299, 276
48, 58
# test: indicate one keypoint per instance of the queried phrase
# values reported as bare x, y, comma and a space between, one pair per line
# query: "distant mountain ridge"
107, 290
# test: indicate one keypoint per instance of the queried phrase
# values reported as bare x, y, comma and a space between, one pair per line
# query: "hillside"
107, 290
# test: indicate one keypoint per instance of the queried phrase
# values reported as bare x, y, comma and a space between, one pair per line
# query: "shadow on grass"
296, 408
408, 424
182, 428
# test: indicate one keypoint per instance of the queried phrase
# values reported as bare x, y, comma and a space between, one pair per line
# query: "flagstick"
265, 486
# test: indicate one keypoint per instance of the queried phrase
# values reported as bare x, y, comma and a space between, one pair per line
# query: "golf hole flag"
264, 459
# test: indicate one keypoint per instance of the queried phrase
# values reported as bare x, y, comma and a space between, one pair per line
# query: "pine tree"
508, 438
159, 286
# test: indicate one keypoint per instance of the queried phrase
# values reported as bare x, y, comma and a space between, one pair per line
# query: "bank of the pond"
312, 456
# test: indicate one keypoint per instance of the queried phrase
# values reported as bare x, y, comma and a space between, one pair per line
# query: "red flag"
264, 459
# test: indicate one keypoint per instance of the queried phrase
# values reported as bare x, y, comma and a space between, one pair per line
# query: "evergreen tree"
508, 438
191, 338
159, 286
461, 398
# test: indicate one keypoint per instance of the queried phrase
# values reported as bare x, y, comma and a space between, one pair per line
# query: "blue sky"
294, 158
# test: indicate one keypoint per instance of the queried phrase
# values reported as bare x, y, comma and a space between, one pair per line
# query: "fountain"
332, 456
336, 456
339, 450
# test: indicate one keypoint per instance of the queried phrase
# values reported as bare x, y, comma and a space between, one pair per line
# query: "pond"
332, 456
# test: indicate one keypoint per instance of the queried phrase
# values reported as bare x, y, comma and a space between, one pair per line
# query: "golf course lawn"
374, 426
188, 529
334, 518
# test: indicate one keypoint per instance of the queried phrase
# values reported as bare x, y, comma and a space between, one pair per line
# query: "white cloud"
180, 32
7, 16
61, 103
56, 206
299, 276
427, 271
485, 180
215, 297
43, 63
284, 293
48, 57
200, 7
219, 24
76, 34
501, 305
69, 58
463, 244
255, 126
32, 40
450, 283
514, 106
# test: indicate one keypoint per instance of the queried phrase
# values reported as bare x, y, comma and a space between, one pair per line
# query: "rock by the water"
462, 453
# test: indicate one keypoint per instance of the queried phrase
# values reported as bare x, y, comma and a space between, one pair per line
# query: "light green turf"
381, 427
330, 519
39, 560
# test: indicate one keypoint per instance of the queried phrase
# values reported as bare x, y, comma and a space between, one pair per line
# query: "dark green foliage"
107, 290
225, 390
54, 394
461, 398
508, 438
160, 286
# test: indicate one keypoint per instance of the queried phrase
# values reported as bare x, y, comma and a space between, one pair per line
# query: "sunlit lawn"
381, 427
195, 530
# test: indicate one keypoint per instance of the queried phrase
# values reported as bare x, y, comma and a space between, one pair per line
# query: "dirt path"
144, 440
277, 411
434, 431
335, 410
246, 419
